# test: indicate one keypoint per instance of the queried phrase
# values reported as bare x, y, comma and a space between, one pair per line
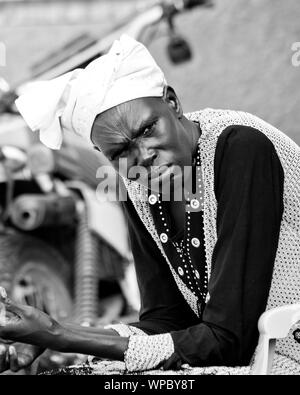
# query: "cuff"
148, 352
126, 330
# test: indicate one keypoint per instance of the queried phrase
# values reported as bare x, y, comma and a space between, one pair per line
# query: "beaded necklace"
183, 247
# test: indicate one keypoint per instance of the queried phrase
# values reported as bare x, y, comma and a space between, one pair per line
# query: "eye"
113, 157
119, 154
149, 130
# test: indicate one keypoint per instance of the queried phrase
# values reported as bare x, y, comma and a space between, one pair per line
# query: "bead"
195, 203
163, 237
195, 242
152, 199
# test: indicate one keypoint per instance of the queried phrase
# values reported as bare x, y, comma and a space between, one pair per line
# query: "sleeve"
249, 192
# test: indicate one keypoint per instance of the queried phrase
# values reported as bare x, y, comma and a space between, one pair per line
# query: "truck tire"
36, 274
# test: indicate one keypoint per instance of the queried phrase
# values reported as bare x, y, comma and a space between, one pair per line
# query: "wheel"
35, 274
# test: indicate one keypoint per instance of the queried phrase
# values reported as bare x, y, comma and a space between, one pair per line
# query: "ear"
172, 100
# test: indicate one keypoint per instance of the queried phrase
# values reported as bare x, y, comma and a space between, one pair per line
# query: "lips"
158, 171
155, 174
163, 176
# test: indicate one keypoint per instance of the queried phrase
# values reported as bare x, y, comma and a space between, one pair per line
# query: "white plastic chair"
273, 324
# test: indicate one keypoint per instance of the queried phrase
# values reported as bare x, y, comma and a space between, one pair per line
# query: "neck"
194, 132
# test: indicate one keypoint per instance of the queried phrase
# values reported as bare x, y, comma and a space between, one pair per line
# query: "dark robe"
249, 190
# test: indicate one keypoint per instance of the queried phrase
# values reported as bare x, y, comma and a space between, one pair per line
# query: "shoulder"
243, 156
244, 139
243, 146
243, 150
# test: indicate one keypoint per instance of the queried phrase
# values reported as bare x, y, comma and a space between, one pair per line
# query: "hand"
18, 356
25, 323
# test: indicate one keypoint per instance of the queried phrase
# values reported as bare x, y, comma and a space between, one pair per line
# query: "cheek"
122, 165
172, 146
171, 134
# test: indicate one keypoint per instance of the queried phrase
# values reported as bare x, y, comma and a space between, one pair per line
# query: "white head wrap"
73, 100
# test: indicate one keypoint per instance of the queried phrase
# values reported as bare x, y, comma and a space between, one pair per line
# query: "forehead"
125, 120
134, 113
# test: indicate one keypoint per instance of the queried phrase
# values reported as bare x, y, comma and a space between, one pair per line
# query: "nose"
147, 156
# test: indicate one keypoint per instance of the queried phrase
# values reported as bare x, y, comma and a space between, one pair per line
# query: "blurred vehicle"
145, 26
61, 250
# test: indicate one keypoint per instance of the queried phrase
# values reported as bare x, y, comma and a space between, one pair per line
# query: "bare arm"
28, 325
99, 330
103, 343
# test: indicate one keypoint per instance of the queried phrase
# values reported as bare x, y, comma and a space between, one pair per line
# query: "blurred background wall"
242, 50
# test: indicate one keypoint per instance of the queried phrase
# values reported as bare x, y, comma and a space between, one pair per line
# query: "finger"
10, 307
13, 359
3, 364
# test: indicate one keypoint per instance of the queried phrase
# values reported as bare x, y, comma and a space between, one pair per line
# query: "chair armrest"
273, 324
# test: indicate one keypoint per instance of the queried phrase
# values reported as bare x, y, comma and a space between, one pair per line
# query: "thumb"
9, 310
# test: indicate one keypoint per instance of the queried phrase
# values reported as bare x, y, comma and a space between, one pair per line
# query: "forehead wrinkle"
133, 116
122, 120
106, 133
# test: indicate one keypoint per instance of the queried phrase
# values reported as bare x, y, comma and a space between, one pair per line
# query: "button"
195, 203
163, 237
197, 274
152, 199
180, 271
195, 242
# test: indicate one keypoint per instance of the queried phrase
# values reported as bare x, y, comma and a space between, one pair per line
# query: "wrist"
58, 337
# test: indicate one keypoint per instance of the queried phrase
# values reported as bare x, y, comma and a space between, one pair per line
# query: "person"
208, 263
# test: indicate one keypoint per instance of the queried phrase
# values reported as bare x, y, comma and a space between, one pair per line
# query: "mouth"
157, 175
157, 172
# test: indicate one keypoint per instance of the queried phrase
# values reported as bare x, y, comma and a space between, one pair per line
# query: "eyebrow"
137, 132
114, 153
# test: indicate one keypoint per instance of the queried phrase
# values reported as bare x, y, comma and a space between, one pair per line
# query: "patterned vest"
285, 287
